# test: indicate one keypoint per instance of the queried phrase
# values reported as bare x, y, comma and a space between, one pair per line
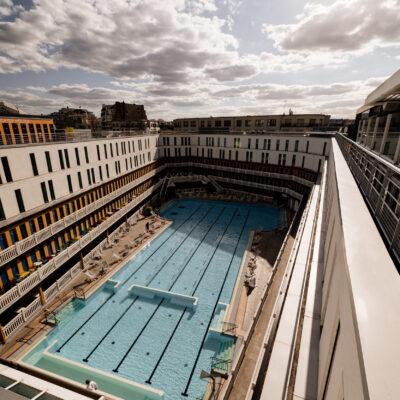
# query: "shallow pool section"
156, 322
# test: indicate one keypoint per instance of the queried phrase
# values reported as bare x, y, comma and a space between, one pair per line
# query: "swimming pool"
160, 342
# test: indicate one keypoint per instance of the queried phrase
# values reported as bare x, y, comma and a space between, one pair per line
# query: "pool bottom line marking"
185, 392
193, 292
133, 302
175, 280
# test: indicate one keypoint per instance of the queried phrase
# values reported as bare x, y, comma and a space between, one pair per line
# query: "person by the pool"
91, 385
147, 226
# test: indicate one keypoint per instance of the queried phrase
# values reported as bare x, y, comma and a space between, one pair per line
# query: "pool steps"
68, 312
174, 298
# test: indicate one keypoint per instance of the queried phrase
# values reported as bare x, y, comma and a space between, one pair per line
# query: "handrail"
14, 294
22, 246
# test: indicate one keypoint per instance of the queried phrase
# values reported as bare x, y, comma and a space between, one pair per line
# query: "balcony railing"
21, 288
363, 164
33, 240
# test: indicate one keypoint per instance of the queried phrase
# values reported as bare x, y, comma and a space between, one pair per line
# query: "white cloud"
343, 26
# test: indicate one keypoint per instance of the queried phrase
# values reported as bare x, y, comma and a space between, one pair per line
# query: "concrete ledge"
111, 285
174, 298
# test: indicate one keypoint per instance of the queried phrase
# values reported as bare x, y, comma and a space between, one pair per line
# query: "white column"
385, 133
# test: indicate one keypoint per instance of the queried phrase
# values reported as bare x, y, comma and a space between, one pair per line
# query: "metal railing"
35, 239
379, 182
21, 288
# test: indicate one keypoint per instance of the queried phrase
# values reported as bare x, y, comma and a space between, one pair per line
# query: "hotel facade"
333, 331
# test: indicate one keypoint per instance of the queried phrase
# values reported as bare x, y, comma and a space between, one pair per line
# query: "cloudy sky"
197, 57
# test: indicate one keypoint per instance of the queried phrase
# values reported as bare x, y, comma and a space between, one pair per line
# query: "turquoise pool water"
153, 341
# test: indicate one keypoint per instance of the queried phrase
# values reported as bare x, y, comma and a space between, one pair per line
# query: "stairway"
68, 312
224, 357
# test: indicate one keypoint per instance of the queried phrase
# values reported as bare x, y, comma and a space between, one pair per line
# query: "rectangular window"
266, 158
248, 143
51, 188
294, 160
78, 161
269, 144
67, 158
93, 176
40, 222
117, 149
302, 162
24, 232
80, 180
105, 151
307, 146
60, 156
101, 173
262, 158
48, 219
17, 135
86, 155
98, 152
88, 176
111, 150
277, 144
20, 201
33, 162
107, 171
70, 184
44, 192
39, 132
2, 215
6, 168
48, 160
296, 145
287, 145
256, 143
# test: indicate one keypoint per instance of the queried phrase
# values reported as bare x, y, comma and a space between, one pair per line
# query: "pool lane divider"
86, 359
109, 298
185, 392
183, 312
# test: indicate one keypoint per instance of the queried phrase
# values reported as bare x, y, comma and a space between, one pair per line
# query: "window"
279, 159
277, 144
256, 143
33, 162
248, 143
20, 201
32, 133
227, 123
48, 218
88, 176
66, 158
93, 176
296, 145
60, 155
307, 146
80, 180
302, 162
239, 123
101, 173
117, 149
24, 232
111, 150
266, 158
324, 150
218, 123
69, 183
2, 215
269, 144
107, 171
225, 142
86, 155
17, 135
287, 145
247, 123
51, 188
294, 160
44, 192
105, 151
78, 161
6, 168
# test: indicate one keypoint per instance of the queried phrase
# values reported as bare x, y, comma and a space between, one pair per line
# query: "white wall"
24, 179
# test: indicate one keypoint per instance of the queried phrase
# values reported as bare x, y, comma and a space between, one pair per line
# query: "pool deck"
269, 247
35, 328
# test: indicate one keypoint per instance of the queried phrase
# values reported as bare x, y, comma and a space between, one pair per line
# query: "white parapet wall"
359, 352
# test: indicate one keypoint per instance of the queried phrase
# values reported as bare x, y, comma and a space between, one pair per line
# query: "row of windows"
226, 123
52, 215
251, 143
19, 133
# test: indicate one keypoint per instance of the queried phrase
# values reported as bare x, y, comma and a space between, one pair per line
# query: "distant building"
9, 109
77, 118
122, 116
254, 123
152, 126
340, 124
